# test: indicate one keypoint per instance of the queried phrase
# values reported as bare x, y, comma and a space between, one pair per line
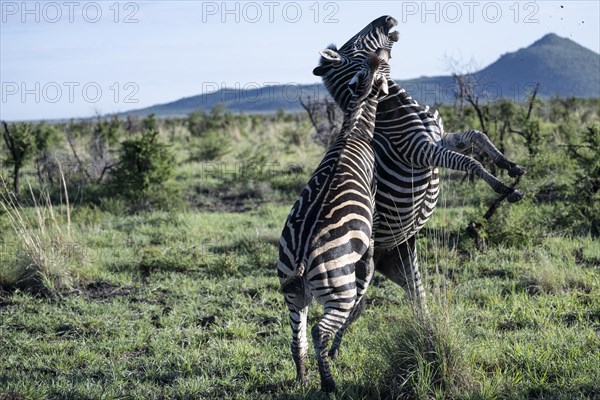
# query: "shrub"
295, 136
20, 143
212, 145
196, 123
149, 123
144, 166
584, 210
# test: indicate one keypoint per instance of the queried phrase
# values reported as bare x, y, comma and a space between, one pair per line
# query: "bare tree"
530, 130
468, 90
326, 118
467, 81
468, 84
97, 160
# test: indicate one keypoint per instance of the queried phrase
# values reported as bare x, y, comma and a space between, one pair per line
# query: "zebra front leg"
433, 155
460, 141
335, 316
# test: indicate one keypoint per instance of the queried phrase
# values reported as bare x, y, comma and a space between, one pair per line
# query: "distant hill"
266, 99
562, 67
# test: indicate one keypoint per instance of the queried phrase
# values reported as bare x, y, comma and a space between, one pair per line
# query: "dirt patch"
207, 321
103, 290
159, 297
220, 200
580, 259
11, 396
4, 302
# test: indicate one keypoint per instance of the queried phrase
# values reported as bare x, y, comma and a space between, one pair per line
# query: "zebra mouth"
390, 23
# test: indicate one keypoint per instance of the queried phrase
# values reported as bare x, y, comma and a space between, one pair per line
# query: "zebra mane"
374, 61
348, 132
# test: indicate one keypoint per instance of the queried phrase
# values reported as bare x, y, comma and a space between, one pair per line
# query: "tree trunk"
16, 169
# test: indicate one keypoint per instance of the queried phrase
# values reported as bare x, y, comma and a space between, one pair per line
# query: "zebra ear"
330, 55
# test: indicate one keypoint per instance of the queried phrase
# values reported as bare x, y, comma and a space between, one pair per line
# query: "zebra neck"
354, 140
359, 120
397, 95
397, 92
398, 104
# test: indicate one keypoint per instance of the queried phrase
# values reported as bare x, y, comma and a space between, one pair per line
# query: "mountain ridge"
563, 68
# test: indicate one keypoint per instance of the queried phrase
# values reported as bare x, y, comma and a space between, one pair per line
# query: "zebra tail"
296, 279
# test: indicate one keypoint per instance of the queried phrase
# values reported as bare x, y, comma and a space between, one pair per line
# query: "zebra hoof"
328, 386
333, 353
516, 171
301, 379
303, 382
515, 196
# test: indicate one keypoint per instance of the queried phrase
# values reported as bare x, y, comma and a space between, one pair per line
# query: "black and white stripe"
410, 144
326, 247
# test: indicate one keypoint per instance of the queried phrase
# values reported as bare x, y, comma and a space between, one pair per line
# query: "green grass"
169, 314
182, 302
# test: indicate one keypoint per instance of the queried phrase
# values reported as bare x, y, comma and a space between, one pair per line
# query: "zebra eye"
358, 44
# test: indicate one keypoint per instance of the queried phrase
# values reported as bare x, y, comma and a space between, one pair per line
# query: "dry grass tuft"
43, 257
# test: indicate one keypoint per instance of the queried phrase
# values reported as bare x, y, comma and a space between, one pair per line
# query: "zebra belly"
404, 207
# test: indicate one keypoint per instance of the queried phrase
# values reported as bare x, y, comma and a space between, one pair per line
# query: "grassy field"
181, 301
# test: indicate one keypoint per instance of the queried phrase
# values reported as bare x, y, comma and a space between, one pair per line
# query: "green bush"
20, 141
212, 145
584, 197
143, 169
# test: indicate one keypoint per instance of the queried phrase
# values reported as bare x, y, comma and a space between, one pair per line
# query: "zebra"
326, 246
410, 144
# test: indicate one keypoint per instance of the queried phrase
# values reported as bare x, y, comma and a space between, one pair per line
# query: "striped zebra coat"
325, 250
410, 144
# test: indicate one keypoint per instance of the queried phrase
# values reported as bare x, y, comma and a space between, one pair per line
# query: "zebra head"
367, 87
338, 67
373, 74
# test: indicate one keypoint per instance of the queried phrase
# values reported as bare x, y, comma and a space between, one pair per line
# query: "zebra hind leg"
364, 273
298, 320
331, 322
337, 340
298, 301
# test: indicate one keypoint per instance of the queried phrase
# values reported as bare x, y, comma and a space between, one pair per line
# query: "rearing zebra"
326, 246
410, 144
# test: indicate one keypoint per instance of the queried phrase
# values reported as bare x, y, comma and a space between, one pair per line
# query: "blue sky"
62, 59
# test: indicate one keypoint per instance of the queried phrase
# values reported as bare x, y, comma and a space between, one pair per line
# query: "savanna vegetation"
137, 261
